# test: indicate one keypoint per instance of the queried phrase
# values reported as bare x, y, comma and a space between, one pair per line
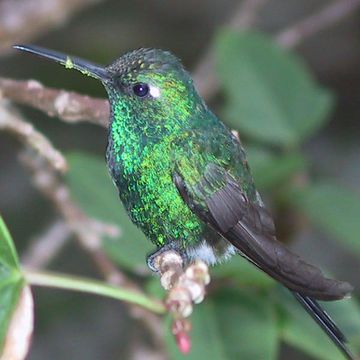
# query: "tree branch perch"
12, 121
68, 106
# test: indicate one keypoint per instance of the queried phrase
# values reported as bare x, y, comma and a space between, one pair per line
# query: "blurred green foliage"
334, 209
270, 95
11, 280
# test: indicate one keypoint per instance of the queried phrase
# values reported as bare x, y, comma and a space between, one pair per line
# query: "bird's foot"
152, 259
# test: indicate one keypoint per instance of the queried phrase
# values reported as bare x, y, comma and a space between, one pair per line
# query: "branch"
24, 20
68, 106
45, 247
243, 18
317, 22
11, 120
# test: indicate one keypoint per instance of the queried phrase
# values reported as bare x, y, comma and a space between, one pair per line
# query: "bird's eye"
141, 89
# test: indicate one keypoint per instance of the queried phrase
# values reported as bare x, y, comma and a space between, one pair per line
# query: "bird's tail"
325, 322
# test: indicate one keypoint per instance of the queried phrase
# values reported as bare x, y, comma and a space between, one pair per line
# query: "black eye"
141, 89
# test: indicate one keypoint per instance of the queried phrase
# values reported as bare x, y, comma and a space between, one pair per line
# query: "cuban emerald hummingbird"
183, 177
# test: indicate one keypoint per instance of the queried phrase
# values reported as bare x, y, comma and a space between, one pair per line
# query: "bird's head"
149, 82
152, 82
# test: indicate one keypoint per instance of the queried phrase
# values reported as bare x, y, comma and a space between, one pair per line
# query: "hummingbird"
184, 180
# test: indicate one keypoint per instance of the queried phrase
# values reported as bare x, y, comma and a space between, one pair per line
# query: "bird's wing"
218, 199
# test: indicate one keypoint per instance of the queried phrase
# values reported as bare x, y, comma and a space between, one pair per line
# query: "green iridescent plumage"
142, 154
184, 180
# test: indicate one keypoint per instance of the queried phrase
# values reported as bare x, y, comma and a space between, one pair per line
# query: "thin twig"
11, 120
246, 14
243, 18
26, 19
45, 247
317, 22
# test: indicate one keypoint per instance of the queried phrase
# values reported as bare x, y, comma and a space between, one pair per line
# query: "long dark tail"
326, 323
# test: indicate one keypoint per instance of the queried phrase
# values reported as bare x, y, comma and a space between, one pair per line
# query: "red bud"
183, 342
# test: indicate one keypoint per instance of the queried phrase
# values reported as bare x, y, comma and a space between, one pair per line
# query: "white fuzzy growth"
154, 91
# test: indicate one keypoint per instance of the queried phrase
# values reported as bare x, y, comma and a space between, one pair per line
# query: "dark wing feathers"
219, 200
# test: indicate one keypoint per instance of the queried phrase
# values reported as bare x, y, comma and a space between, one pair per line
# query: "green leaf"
270, 95
91, 186
270, 170
302, 332
248, 325
243, 272
233, 325
11, 281
334, 209
7, 248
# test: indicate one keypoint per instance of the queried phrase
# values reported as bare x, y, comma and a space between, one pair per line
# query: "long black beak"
70, 62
